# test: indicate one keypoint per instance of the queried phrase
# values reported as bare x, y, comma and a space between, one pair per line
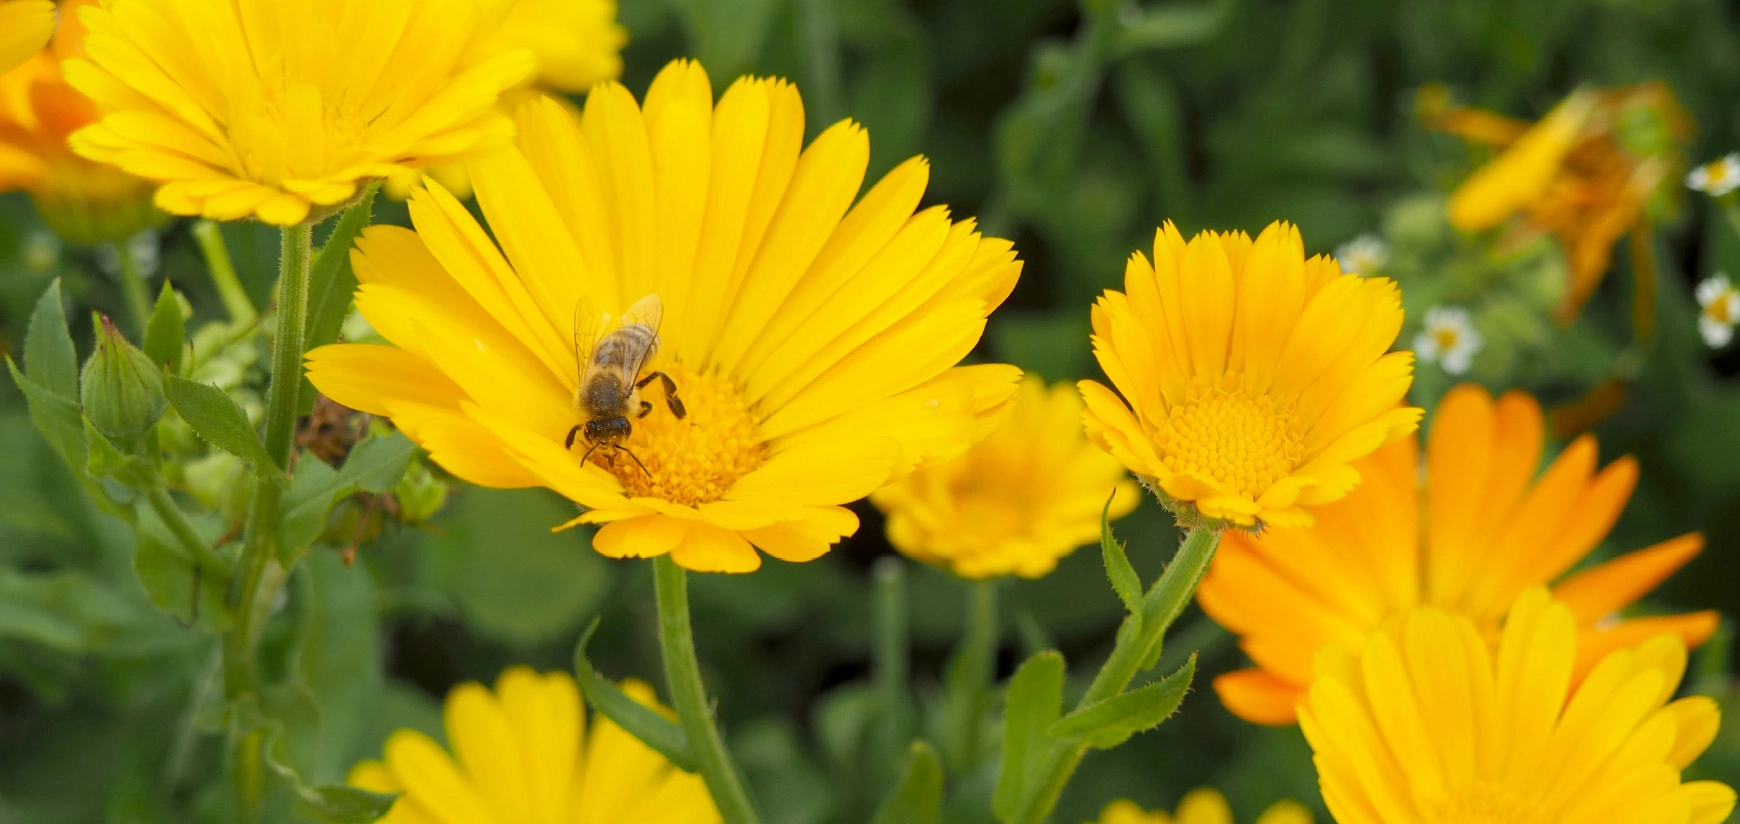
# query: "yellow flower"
81, 200
1478, 536
267, 108
1016, 502
1572, 174
1424, 724
1201, 806
1255, 375
577, 42
24, 26
811, 342
522, 755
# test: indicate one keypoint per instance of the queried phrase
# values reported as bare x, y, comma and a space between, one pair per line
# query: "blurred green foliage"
1073, 128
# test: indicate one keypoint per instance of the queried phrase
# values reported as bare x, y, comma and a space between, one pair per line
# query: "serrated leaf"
1111, 722
917, 798
58, 418
166, 334
643, 722
1124, 580
217, 418
176, 583
49, 357
1034, 702
375, 465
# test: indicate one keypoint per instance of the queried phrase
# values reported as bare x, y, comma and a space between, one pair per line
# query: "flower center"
1242, 443
1723, 309
1483, 803
1446, 338
689, 460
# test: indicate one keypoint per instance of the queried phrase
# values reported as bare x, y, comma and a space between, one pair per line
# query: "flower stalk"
689, 695
133, 291
969, 676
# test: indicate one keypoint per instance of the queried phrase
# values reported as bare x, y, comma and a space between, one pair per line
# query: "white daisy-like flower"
1448, 339
1721, 310
1718, 177
1364, 255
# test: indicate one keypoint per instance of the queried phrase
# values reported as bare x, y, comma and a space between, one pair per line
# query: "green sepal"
375, 465
1124, 580
918, 797
217, 418
1034, 703
641, 721
104, 460
1106, 724
166, 334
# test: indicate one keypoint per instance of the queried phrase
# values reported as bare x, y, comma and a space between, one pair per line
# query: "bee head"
610, 430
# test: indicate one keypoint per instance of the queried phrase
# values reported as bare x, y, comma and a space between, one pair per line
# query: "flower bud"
420, 494
120, 389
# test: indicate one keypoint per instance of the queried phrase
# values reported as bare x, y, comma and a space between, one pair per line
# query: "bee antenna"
588, 453
636, 460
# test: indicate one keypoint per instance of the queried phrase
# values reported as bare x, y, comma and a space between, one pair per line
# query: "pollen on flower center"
694, 459
1446, 337
1241, 442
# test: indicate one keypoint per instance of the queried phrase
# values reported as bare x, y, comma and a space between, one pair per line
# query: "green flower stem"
890, 669
133, 290
172, 516
1163, 604
683, 677
969, 675
240, 677
223, 273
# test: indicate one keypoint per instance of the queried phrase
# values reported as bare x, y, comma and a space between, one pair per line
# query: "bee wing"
649, 312
588, 325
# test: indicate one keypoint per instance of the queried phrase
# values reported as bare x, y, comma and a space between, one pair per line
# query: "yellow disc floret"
694, 459
1244, 442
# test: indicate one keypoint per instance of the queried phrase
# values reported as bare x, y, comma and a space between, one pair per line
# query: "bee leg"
569, 444
645, 408
671, 399
636, 460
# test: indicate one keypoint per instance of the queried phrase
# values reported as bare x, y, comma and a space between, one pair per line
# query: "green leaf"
341, 804
1034, 702
641, 721
1123, 576
57, 417
104, 460
1111, 722
917, 799
332, 283
166, 335
217, 418
193, 594
49, 357
375, 465
327, 803
1172, 25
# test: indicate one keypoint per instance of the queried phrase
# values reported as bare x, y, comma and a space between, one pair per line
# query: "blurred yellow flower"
1201, 806
268, 108
1250, 375
522, 755
1027, 495
25, 25
1478, 536
1573, 174
1423, 724
81, 200
812, 343
576, 42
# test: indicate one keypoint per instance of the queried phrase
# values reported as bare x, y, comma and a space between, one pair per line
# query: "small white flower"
1364, 255
1718, 177
1721, 310
1449, 339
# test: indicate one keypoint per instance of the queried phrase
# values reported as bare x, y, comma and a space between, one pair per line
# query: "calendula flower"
1719, 310
1482, 531
25, 25
1422, 723
1718, 177
83, 201
1250, 375
1573, 174
269, 108
807, 346
1027, 495
1448, 338
522, 755
1364, 255
1200, 806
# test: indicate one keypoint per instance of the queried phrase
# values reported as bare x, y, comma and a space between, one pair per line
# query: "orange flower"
1577, 173
81, 200
1477, 537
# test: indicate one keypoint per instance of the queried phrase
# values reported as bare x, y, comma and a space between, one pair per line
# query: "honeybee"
610, 380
